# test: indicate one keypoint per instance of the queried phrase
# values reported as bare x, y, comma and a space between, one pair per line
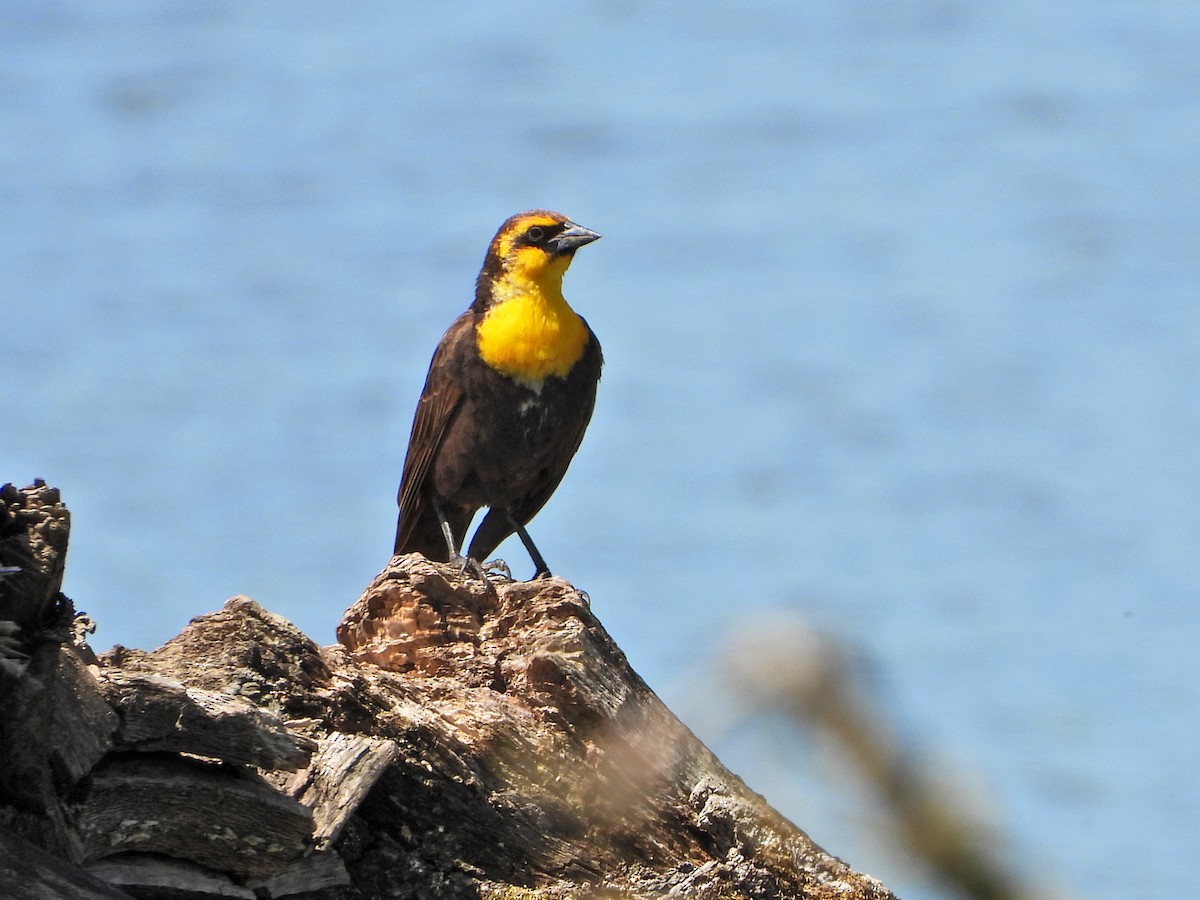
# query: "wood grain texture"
227, 819
158, 714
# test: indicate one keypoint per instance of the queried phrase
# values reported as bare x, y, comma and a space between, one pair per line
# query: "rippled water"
898, 302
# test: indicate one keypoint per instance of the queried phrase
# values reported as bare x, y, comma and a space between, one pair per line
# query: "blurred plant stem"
791, 669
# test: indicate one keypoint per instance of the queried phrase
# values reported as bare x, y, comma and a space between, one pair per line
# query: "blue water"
899, 306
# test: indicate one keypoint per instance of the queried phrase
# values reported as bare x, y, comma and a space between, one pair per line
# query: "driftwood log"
463, 739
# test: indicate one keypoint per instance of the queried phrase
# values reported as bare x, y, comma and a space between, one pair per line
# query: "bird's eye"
535, 234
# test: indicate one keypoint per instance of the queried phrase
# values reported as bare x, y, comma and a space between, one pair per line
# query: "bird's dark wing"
439, 401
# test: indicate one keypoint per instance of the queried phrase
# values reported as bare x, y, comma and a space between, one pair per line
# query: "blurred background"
899, 307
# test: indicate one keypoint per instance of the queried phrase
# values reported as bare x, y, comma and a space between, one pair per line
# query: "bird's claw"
467, 565
497, 570
494, 570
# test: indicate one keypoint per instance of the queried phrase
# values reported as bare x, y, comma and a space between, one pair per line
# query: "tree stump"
464, 739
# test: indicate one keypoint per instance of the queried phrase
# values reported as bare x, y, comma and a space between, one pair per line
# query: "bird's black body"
483, 437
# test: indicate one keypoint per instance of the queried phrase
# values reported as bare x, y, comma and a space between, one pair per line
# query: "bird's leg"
541, 569
464, 563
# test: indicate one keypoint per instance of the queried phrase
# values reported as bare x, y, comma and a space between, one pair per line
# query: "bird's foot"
497, 570
467, 565
494, 570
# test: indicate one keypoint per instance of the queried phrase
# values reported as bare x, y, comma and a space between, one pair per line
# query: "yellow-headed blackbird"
508, 396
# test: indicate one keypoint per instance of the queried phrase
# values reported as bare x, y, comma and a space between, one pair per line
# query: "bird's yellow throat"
530, 333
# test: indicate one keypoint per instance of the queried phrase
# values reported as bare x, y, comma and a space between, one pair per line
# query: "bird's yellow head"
531, 250
527, 330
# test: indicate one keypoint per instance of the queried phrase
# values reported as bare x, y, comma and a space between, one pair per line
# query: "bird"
509, 393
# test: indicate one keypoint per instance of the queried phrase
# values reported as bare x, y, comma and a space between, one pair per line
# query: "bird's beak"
572, 238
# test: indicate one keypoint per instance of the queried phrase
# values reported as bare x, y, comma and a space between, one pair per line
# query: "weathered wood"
29, 873
519, 719
341, 773
157, 713
218, 652
218, 816
34, 526
323, 872
78, 724
465, 739
148, 877
54, 725
54, 728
